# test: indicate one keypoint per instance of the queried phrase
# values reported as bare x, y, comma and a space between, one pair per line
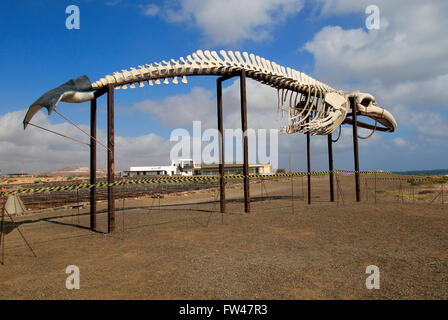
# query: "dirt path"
189, 251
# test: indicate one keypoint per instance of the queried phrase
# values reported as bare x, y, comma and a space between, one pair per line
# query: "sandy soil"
186, 249
39, 178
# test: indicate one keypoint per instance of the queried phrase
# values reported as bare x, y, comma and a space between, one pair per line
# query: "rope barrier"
199, 179
76, 126
59, 134
174, 180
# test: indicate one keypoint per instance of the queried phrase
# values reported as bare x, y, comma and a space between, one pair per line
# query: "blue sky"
403, 64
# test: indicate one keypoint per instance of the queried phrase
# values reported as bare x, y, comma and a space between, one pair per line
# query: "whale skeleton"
311, 106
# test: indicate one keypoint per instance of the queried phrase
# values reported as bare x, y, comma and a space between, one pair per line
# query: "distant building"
182, 167
232, 168
186, 167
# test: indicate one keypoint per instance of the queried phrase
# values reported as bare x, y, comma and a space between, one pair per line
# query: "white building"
184, 167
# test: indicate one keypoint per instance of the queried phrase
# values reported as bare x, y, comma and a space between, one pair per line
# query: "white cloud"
403, 64
330, 7
228, 22
405, 61
178, 110
400, 143
113, 3
150, 9
427, 123
43, 151
200, 105
421, 93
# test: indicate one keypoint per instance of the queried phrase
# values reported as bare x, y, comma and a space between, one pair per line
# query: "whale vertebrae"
311, 105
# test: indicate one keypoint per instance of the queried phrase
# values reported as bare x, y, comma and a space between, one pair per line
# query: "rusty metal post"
93, 164
308, 157
110, 160
330, 166
222, 183
245, 140
355, 147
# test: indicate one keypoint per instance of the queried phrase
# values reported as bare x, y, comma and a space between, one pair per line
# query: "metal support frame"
330, 166
109, 89
93, 142
308, 158
93, 163
222, 183
245, 141
111, 164
110, 160
355, 147
242, 75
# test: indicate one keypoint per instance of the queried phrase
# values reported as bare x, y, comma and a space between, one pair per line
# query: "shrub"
428, 180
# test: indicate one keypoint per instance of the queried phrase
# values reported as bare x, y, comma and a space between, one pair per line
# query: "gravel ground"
190, 251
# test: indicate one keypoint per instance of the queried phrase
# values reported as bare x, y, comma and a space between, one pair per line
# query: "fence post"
413, 190
292, 191
308, 157
367, 190
337, 186
374, 172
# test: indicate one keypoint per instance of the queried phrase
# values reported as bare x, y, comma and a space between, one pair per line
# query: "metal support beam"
98, 93
330, 166
110, 160
308, 157
93, 163
222, 183
355, 146
245, 141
